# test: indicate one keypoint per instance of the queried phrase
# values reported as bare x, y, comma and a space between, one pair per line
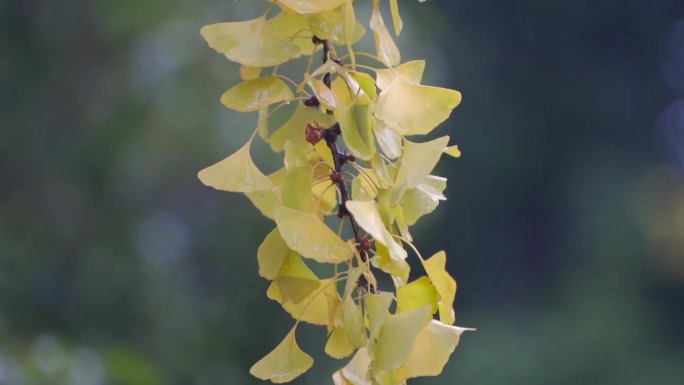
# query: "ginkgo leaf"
309, 236
357, 371
324, 94
423, 199
293, 27
396, 337
367, 216
254, 95
396, 18
418, 160
326, 196
388, 140
236, 173
295, 128
356, 124
411, 71
271, 255
398, 268
365, 185
387, 50
332, 26
377, 310
284, 363
249, 73
435, 267
431, 351
453, 151
296, 191
312, 6
338, 379
338, 345
353, 323
366, 83
251, 43
414, 109
417, 294
264, 200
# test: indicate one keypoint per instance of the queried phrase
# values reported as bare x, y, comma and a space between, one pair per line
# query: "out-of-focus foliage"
563, 229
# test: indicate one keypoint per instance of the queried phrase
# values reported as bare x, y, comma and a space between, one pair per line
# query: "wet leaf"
256, 94
435, 267
417, 294
396, 337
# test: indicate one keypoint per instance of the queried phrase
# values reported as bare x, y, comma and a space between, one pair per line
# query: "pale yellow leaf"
271, 255
386, 48
353, 323
338, 345
435, 267
396, 337
332, 26
325, 95
453, 151
377, 309
389, 141
236, 173
357, 371
396, 18
356, 124
411, 71
293, 27
422, 199
417, 294
249, 73
295, 128
367, 216
256, 94
285, 363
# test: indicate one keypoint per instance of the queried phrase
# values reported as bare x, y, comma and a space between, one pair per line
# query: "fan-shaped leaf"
338, 345
295, 128
417, 294
253, 95
236, 173
411, 71
285, 363
385, 46
423, 199
435, 267
377, 309
367, 216
332, 26
271, 255
397, 336
356, 124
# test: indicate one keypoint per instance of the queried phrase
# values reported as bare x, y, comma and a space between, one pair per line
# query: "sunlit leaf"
431, 351
396, 18
253, 95
285, 363
385, 46
414, 109
411, 71
338, 345
312, 6
367, 216
396, 337
236, 173
417, 294
308, 235
435, 267
251, 43
294, 129
356, 125
271, 255
422, 199
377, 310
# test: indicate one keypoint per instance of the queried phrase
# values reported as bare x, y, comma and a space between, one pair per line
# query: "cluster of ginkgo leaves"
347, 155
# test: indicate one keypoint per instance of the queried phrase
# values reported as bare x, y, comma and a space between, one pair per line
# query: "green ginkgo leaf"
388, 140
264, 200
377, 310
284, 363
338, 345
311, 6
417, 294
294, 28
398, 269
295, 128
236, 173
271, 255
414, 109
308, 235
431, 351
396, 337
357, 371
352, 319
256, 94
356, 124
296, 190
332, 26
435, 267
418, 161
411, 71
251, 43
386, 48
366, 83
422, 199
367, 216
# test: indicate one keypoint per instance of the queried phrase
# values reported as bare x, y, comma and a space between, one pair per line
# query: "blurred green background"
564, 224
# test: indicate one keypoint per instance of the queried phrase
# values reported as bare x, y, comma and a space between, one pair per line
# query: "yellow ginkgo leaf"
422, 199
308, 235
417, 294
332, 26
366, 83
325, 95
295, 128
386, 48
356, 124
352, 319
418, 160
251, 43
411, 71
296, 190
357, 371
435, 267
398, 269
284, 363
414, 109
264, 200
338, 379
256, 94
388, 140
453, 151
367, 216
396, 337
431, 351
311, 6
396, 18
377, 310
271, 255
338, 345
236, 173
292, 26
249, 73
